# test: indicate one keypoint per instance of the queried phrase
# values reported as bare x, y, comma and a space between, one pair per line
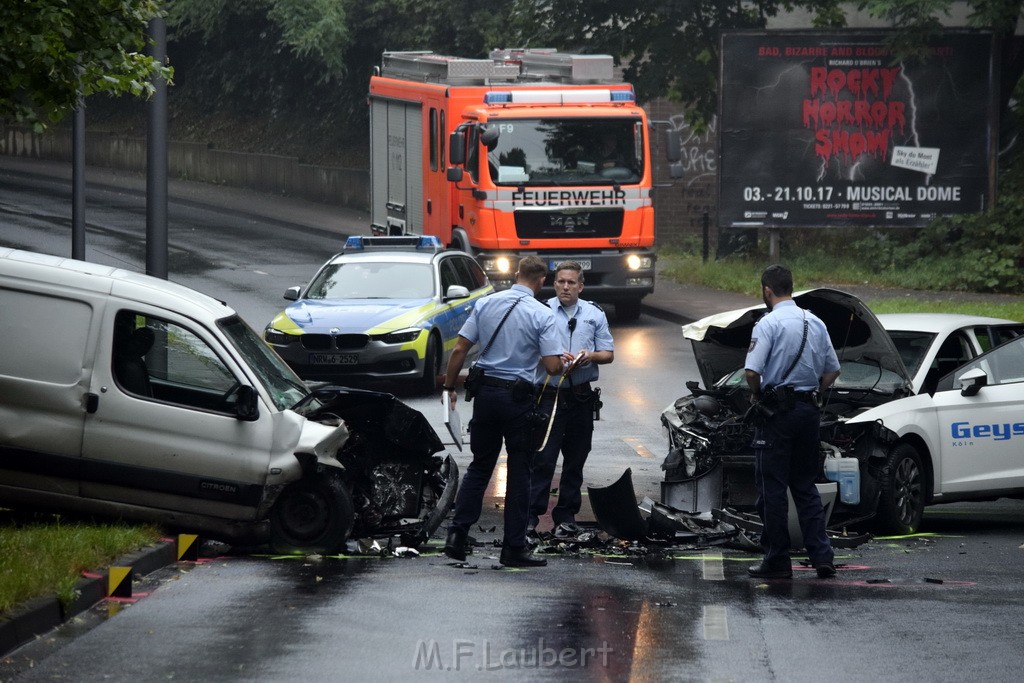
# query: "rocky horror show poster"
823, 130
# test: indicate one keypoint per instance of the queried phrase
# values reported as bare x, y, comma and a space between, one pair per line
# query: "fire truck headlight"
500, 264
636, 262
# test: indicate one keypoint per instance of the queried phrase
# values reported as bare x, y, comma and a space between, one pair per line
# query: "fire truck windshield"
569, 151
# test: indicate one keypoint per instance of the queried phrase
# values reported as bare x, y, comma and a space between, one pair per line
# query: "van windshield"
569, 151
280, 381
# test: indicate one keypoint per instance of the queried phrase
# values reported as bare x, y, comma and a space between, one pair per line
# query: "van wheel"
901, 503
431, 363
313, 515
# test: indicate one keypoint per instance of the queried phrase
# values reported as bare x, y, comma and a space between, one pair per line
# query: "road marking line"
716, 623
260, 272
638, 447
713, 570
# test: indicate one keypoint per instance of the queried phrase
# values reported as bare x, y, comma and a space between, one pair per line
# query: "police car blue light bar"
405, 242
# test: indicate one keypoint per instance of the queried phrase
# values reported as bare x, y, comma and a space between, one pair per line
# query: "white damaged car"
892, 450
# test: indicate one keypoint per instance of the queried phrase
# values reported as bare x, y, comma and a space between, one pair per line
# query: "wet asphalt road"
940, 608
944, 607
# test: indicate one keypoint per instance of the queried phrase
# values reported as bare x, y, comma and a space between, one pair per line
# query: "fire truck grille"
575, 223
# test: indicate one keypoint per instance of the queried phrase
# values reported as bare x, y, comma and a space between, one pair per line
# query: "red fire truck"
528, 152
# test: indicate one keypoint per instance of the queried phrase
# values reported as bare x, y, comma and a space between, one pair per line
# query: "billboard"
827, 129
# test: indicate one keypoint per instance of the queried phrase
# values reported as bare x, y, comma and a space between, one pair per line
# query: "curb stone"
43, 614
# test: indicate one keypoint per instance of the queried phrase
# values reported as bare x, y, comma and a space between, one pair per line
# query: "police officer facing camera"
585, 338
504, 407
789, 363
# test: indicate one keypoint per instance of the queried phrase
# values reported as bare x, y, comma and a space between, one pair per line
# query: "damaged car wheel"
901, 504
313, 514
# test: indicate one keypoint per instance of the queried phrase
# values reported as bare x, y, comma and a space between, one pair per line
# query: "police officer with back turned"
504, 407
790, 362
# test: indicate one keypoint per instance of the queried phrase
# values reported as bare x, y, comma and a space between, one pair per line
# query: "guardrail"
349, 187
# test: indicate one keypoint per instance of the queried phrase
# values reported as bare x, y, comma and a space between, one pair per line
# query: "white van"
129, 396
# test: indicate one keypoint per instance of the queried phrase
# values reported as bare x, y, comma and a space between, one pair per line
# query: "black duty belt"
806, 396
497, 382
553, 387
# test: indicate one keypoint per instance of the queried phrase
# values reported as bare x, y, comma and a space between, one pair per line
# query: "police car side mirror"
456, 292
972, 381
292, 293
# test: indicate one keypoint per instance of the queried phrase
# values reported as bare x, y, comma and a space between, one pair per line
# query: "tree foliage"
50, 50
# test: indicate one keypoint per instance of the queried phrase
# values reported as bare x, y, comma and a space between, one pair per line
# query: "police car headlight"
277, 337
399, 336
636, 262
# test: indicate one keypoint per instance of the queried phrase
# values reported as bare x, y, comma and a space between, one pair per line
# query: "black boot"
455, 545
520, 557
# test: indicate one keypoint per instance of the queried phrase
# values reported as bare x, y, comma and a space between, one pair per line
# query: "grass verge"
736, 274
46, 555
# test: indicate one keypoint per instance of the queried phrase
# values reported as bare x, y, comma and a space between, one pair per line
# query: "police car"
383, 308
926, 411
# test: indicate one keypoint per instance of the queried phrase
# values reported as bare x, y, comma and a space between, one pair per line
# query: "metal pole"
156, 160
78, 180
706, 222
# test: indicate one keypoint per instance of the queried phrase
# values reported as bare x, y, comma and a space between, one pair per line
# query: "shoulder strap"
498, 328
800, 352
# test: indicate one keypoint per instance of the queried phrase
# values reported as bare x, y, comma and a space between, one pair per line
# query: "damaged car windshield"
280, 381
567, 152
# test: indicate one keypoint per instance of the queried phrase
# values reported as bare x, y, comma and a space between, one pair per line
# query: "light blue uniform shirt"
528, 334
591, 333
776, 340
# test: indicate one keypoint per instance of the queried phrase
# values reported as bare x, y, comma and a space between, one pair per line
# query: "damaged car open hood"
720, 341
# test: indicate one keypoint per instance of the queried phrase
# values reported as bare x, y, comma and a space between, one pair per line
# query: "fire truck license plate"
333, 358
584, 263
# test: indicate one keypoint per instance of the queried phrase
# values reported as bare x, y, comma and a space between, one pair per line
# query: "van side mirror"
292, 293
247, 407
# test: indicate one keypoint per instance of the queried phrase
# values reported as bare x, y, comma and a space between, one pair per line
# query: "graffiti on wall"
699, 156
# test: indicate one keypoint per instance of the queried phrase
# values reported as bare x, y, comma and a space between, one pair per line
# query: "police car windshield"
373, 280
567, 152
280, 381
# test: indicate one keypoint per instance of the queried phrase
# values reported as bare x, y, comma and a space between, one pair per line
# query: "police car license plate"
333, 358
584, 263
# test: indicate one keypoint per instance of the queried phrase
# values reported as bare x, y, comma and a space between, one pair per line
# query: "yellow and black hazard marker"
188, 548
119, 582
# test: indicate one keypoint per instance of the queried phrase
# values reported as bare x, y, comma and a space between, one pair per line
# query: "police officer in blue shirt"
585, 338
504, 407
790, 363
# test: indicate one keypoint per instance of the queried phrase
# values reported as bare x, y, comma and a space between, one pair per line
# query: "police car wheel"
431, 363
903, 490
314, 514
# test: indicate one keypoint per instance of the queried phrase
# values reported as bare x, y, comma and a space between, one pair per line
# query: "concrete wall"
197, 161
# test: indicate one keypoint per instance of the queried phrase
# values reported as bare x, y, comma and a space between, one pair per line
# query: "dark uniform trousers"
787, 457
571, 433
497, 417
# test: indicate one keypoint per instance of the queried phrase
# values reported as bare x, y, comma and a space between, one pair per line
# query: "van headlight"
399, 336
